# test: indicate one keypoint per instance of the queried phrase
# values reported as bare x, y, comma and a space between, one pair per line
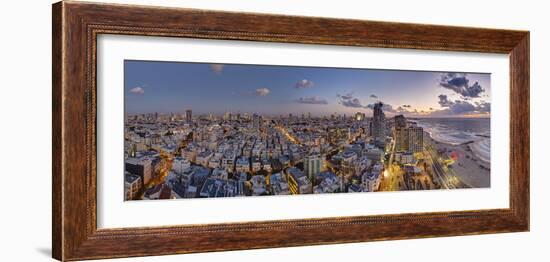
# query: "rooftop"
130, 178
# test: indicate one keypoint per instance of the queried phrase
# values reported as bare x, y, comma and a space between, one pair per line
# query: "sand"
467, 165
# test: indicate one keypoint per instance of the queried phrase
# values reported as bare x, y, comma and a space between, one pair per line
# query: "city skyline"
167, 158
403, 130
173, 87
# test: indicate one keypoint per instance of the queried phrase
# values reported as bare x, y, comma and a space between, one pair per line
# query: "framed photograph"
180, 130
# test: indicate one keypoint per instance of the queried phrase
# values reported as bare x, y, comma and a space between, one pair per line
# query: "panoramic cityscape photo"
203, 130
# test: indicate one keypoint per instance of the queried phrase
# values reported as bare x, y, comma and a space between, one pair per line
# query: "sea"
457, 131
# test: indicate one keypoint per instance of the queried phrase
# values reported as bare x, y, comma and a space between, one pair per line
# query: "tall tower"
400, 133
188, 116
378, 120
415, 139
256, 121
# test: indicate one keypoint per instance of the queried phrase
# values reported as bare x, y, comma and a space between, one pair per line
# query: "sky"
173, 87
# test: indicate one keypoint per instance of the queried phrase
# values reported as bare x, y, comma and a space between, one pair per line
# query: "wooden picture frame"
76, 26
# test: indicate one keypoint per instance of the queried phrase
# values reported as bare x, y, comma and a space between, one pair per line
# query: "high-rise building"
256, 121
188, 115
401, 138
410, 139
359, 116
400, 133
378, 119
312, 165
370, 128
400, 121
416, 139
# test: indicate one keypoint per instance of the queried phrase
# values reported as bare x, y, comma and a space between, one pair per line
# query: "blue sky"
167, 87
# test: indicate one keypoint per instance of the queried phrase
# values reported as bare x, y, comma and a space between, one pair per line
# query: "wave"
482, 149
458, 131
452, 137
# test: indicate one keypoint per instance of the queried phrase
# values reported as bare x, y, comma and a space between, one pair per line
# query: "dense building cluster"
187, 156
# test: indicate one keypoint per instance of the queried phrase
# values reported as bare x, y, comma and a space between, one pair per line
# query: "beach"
472, 163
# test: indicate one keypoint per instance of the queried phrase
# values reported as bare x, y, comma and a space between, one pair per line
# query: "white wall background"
25, 129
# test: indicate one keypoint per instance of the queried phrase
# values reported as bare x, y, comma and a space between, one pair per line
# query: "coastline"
480, 145
482, 149
469, 167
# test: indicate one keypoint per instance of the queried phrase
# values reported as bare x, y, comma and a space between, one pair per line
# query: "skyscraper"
401, 137
256, 121
188, 115
378, 119
416, 139
400, 133
409, 139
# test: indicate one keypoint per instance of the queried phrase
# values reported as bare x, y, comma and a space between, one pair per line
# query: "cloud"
444, 101
346, 96
353, 102
484, 107
312, 100
348, 100
137, 90
304, 83
406, 109
459, 83
385, 107
262, 92
373, 96
216, 68
460, 107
